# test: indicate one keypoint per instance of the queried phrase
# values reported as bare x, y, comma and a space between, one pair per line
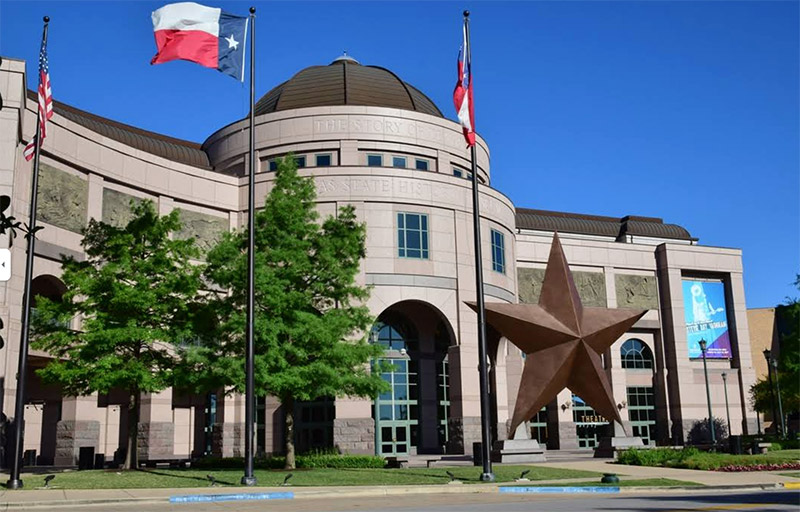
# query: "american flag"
45, 101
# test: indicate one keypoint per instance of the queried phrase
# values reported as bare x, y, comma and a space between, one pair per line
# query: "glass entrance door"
588, 423
396, 410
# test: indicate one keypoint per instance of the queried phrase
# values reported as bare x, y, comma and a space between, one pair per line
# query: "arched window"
636, 355
395, 334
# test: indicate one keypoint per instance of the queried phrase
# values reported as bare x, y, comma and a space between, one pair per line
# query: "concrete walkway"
52, 498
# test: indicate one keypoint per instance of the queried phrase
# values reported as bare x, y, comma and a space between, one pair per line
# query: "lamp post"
702, 344
727, 409
778, 392
768, 357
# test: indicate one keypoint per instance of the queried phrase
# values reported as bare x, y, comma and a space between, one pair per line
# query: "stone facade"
156, 441
530, 284
354, 435
591, 288
63, 199
228, 440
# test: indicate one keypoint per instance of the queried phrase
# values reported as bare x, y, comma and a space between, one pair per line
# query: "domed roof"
345, 82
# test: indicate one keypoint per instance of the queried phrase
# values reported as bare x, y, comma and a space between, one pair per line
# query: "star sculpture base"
563, 342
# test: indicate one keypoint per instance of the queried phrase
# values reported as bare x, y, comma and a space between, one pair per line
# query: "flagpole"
14, 481
486, 432
249, 407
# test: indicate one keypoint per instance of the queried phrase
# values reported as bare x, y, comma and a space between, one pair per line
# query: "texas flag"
462, 95
200, 34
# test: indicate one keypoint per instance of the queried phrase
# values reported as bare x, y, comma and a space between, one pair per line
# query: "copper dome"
345, 82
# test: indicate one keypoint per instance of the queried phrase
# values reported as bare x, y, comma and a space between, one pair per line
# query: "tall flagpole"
249, 407
14, 481
486, 432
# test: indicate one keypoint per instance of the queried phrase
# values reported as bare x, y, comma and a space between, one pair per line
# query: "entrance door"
210, 415
394, 410
588, 424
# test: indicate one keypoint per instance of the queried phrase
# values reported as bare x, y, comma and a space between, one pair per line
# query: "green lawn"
176, 478
793, 474
646, 482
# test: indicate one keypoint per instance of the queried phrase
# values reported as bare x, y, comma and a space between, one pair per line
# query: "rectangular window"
498, 252
323, 160
421, 165
375, 160
412, 235
273, 165
300, 161
399, 161
458, 173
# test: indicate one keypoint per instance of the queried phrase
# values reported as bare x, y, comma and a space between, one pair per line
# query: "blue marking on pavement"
205, 498
545, 490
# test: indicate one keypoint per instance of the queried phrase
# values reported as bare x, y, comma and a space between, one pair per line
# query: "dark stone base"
518, 451
464, 432
354, 435
156, 441
609, 446
71, 436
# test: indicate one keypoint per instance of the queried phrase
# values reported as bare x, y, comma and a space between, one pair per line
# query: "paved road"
762, 501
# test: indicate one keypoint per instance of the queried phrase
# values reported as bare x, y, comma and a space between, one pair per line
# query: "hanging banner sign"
706, 318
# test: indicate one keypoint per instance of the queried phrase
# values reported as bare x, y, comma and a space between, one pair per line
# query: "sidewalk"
51, 498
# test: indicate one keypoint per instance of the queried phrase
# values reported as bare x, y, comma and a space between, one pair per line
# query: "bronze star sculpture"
562, 341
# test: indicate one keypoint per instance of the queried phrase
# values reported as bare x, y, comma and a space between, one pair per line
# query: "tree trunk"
288, 407
132, 456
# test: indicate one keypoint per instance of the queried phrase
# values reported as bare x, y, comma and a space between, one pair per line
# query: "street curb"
298, 493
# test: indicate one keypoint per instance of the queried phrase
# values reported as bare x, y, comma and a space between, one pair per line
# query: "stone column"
567, 435
228, 436
353, 427
156, 439
79, 427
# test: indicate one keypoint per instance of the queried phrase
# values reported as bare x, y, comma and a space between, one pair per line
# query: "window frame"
641, 357
498, 266
402, 236
396, 158
375, 155
301, 161
323, 155
426, 162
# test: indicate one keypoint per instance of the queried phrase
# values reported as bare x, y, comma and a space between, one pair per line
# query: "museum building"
373, 141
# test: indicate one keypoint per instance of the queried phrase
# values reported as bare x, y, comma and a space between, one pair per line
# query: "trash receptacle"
99, 460
735, 445
86, 457
29, 458
477, 454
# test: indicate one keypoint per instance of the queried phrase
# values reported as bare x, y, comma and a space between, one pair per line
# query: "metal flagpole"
486, 433
249, 437
14, 481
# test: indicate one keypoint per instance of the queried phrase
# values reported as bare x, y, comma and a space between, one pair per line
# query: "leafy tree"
134, 294
309, 315
788, 320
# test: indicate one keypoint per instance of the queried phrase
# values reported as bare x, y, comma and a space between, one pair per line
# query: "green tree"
788, 321
135, 295
310, 321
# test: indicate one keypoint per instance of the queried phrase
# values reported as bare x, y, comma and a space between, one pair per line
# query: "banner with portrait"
705, 312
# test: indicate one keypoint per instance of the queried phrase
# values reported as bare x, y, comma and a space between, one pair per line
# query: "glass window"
323, 160
412, 235
273, 165
300, 161
636, 355
458, 173
399, 161
498, 252
421, 165
375, 160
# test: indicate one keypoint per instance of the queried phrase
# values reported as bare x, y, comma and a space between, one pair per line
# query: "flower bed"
735, 468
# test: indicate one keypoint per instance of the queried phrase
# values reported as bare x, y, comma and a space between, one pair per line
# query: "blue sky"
687, 111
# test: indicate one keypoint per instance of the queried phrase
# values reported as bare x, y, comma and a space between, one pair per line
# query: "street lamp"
778, 392
702, 344
768, 357
727, 409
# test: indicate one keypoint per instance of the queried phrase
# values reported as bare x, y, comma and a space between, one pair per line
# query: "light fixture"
622, 405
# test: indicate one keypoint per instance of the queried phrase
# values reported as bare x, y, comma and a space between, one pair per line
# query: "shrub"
700, 434
656, 456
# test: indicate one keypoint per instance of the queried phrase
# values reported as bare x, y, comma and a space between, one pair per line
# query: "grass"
690, 458
793, 474
178, 478
645, 482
